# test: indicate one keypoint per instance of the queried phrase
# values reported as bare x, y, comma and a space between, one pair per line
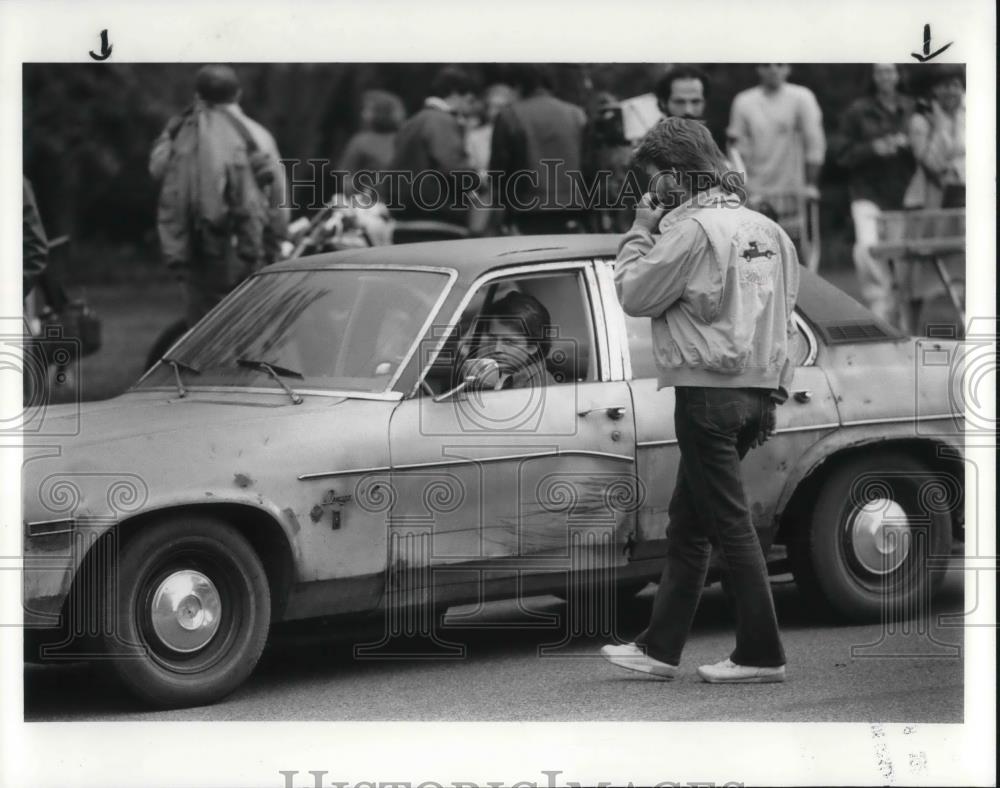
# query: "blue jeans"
715, 427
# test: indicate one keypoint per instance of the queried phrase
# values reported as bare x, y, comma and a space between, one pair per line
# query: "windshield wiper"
177, 365
276, 374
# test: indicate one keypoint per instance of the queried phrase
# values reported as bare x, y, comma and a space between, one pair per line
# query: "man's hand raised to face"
648, 213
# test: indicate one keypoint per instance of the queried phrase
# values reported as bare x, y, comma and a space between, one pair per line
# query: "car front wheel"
874, 525
191, 610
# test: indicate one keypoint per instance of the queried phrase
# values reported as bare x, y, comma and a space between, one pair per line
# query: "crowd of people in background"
901, 151
224, 205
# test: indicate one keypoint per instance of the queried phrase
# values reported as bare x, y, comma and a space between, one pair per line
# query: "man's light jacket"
719, 283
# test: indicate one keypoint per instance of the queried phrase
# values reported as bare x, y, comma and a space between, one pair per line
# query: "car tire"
864, 550
191, 610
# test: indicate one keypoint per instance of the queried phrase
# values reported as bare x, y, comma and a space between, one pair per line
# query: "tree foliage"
88, 128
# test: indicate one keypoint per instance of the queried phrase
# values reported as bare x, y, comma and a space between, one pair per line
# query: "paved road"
912, 676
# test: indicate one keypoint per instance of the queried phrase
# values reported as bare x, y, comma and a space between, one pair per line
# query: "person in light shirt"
777, 129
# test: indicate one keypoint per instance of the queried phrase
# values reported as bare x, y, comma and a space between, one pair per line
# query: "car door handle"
615, 413
803, 396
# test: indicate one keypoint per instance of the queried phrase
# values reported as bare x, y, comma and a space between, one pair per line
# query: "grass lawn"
132, 315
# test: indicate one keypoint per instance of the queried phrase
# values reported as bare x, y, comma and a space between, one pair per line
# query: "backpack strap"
243, 131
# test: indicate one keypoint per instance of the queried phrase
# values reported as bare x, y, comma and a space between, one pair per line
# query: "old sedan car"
336, 439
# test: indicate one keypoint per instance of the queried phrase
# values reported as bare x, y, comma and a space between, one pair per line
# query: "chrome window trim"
445, 292
437, 269
503, 273
389, 389
619, 352
598, 325
802, 325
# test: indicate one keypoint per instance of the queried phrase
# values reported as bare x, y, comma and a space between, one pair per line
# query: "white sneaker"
728, 672
632, 657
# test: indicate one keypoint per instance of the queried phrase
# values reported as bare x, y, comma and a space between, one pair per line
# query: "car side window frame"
594, 308
806, 330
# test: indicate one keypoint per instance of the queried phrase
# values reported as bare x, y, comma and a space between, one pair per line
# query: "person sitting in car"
513, 336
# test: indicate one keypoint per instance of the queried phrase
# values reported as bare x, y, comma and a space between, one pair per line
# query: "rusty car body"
306, 451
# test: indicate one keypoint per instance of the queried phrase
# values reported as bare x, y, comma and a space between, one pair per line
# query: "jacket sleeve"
853, 148
927, 149
738, 131
159, 157
278, 191
506, 144
35, 244
445, 145
651, 276
811, 119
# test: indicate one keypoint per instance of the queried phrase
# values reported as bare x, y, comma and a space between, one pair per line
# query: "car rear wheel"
863, 553
191, 610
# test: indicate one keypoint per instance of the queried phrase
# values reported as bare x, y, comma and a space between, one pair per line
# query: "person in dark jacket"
35, 243
537, 142
371, 149
875, 151
430, 154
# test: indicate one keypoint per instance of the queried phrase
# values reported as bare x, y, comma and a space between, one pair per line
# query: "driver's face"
507, 343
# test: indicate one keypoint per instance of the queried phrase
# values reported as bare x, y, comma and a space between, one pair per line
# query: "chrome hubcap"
186, 611
880, 536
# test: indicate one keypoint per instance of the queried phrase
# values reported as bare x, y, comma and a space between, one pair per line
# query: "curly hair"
686, 146
665, 84
528, 313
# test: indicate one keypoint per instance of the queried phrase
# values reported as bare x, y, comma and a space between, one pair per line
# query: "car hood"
167, 450
147, 415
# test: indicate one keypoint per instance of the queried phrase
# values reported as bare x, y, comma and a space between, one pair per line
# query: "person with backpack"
222, 212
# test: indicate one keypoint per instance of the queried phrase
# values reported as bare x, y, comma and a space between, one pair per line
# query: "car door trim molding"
803, 428
384, 396
478, 461
904, 419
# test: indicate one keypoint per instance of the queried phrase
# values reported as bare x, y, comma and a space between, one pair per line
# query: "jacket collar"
433, 102
716, 197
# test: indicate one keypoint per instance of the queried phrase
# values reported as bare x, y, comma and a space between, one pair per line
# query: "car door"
527, 480
809, 413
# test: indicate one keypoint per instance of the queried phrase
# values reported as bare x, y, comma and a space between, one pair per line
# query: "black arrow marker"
927, 54
105, 48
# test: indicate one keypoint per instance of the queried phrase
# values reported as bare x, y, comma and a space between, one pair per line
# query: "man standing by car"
719, 283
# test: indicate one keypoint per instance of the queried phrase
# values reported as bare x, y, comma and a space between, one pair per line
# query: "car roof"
825, 305
470, 257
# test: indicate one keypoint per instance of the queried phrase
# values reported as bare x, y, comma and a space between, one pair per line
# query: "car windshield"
344, 329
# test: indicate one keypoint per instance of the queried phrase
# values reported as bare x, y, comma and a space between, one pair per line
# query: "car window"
640, 345
345, 329
537, 327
